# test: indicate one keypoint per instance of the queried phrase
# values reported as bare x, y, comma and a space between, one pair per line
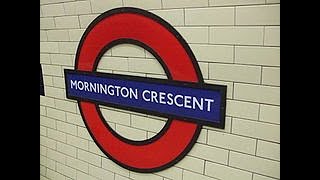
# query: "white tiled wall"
236, 43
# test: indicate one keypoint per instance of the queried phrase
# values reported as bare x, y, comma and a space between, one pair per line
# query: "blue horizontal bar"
196, 102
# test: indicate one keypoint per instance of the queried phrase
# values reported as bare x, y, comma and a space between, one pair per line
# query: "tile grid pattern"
236, 43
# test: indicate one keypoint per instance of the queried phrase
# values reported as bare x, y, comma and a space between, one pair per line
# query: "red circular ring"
139, 26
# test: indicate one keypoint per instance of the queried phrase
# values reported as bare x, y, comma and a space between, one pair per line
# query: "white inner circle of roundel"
129, 59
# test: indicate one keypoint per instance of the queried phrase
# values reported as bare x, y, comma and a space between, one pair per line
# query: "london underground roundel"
183, 98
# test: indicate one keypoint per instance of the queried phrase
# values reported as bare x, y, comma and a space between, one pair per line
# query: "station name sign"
184, 98
188, 101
